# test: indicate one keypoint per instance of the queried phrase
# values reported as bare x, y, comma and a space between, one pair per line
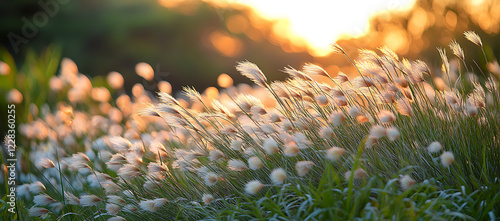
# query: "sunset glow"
319, 23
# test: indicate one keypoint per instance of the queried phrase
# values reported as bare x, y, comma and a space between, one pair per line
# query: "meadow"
399, 141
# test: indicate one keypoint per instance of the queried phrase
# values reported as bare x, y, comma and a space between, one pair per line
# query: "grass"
202, 155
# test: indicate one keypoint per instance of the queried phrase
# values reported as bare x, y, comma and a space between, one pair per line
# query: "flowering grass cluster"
396, 142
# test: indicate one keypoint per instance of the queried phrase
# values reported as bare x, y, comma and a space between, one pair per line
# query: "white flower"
46, 163
211, 179
303, 167
354, 111
447, 158
89, 200
112, 208
236, 144
278, 175
237, 165
406, 182
291, 149
216, 155
337, 118
392, 133
270, 146
327, 133
251, 71
378, 131
43, 200
207, 198
116, 200
38, 212
152, 205
358, 174
255, 163
129, 171
334, 153
434, 147
37, 187
386, 116
253, 186
321, 99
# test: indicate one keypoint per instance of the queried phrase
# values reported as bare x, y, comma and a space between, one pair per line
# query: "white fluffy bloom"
129, 171
354, 111
447, 158
38, 212
89, 200
112, 208
211, 179
43, 200
334, 153
207, 198
386, 116
236, 144
392, 133
237, 165
152, 205
46, 163
116, 200
270, 146
37, 187
303, 167
216, 155
327, 133
291, 149
253, 186
337, 118
321, 99
406, 182
278, 175
378, 131
255, 163
434, 147
358, 174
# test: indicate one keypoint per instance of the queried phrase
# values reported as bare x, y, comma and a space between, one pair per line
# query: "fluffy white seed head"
43, 200
207, 198
378, 131
211, 179
474, 38
337, 118
434, 147
291, 149
278, 176
255, 163
38, 212
354, 111
152, 205
392, 133
117, 218
89, 200
321, 99
327, 133
447, 158
253, 187
270, 146
386, 116
236, 165
37, 187
236, 144
216, 155
112, 208
303, 167
335, 153
251, 71
406, 182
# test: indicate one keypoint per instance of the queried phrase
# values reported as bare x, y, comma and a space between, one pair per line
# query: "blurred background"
193, 42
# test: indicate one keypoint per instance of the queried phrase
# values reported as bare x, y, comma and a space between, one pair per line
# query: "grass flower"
43, 200
473, 37
406, 182
447, 158
37, 187
255, 163
378, 131
251, 71
207, 198
335, 153
253, 187
236, 165
89, 200
38, 212
278, 176
270, 146
434, 147
393, 133
303, 167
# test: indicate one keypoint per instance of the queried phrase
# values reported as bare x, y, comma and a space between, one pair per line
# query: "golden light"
224, 80
319, 23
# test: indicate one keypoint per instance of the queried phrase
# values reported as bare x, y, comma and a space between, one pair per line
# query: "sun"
318, 23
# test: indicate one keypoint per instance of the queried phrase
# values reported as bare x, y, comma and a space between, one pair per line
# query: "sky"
322, 22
